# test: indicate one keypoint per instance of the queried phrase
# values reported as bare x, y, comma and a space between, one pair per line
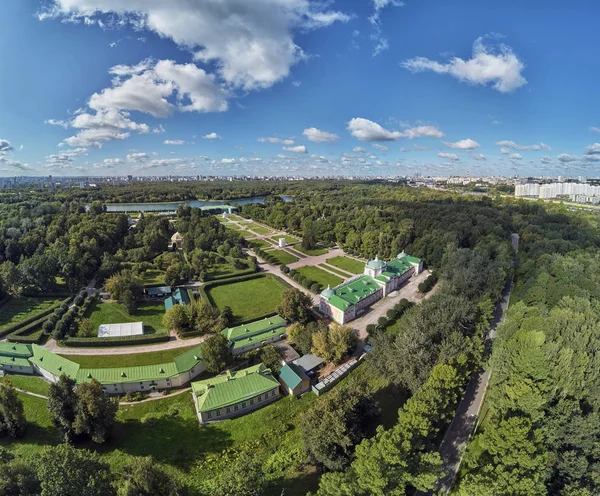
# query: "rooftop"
14, 350
180, 297
352, 292
308, 362
233, 387
292, 375
125, 329
159, 291
254, 328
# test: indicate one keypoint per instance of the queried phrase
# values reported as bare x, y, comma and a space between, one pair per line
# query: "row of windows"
235, 408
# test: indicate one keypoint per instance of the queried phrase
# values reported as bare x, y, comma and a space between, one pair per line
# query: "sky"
299, 87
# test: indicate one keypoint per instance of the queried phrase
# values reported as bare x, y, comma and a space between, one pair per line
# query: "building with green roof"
255, 334
293, 380
119, 380
14, 359
350, 299
234, 393
179, 297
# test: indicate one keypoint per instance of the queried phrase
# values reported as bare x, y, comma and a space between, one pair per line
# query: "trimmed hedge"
11, 329
159, 337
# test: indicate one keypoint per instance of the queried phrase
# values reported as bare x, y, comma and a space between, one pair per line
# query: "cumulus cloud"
228, 160
466, 144
380, 147
174, 142
358, 149
515, 156
366, 130
566, 158
498, 66
137, 157
55, 122
109, 163
94, 137
295, 149
7, 163
64, 159
448, 156
5, 146
211, 136
318, 136
276, 140
479, 156
523, 148
593, 149
250, 43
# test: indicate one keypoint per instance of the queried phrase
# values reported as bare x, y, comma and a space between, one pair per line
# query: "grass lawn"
258, 229
223, 269
19, 309
29, 383
150, 313
347, 264
314, 253
296, 252
249, 300
154, 277
334, 270
288, 239
283, 257
260, 243
235, 217
133, 360
320, 276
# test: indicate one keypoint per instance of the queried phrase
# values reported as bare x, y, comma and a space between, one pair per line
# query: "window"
252, 401
273, 393
235, 408
244, 405
218, 412
208, 415
228, 410
259, 397
141, 387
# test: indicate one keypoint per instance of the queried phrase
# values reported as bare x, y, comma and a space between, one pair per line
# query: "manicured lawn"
19, 309
29, 383
260, 243
222, 270
283, 257
334, 270
133, 360
320, 276
235, 217
258, 229
249, 300
288, 239
314, 253
150, 313
347, 264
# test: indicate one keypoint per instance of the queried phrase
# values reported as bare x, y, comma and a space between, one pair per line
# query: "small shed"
293, 380
309, 364
159, 292
180, 297
125, 329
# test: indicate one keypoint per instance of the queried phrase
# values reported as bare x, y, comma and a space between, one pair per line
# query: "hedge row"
428, 284
304, 281
11, 329
159, 337
31, 339
227, 276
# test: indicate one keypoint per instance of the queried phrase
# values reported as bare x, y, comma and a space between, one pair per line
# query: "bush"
283, 267
391, 314
371, 328
382, 322
64, 307
78, 301
132, 396
315, 288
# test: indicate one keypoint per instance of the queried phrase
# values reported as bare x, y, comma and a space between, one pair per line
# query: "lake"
172, 206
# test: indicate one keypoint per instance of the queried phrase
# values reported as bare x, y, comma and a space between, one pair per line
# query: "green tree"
18, 479
12, 417
271, 358
96, 411
10, 279
242, 477
145, 478
295, 306
215, 353
176, 318
62, 405
309, 238
300, 335
67, 471
85, 329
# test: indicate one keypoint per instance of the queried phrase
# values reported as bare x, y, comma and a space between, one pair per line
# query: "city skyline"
297, 88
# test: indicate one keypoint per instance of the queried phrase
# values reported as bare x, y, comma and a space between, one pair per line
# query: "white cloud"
381, 43
276, 140
480, 156
358, 149
94, 137
212, 136
566, 158
314, 134
523, 148
10, 164
228, 160
380, 147
137, 157
515, 156
593, 149
174, 142
250, 43
109, 163
366, 130
295, 149
504, 151
297, 83
159, 130
55, 122
64, 159
448, 156
421, 148
5, 146
499, 67
546, 160
595, 129
466, 144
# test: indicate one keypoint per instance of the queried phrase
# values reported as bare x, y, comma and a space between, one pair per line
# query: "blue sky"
299, 87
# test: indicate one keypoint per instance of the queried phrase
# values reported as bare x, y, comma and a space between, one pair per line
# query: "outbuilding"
293, 380
118, 330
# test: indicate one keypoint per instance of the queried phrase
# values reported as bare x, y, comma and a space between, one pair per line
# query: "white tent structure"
126, 329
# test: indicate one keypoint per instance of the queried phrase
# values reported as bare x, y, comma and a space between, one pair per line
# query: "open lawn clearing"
133, 360
31, 383
320, 276
251, 299
235, 217
258, 229
259, 243
223, 270
154, 277
283, 257
314, 253
19, 309
335, 271
150, 313
288, 239
296, 252
347, 264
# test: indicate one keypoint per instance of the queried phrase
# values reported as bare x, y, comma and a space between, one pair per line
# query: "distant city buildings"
576, 192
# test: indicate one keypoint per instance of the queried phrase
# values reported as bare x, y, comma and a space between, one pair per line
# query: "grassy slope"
33, 384
150, 313
320, 276
133, 360
347, 264
249, 299
19, 309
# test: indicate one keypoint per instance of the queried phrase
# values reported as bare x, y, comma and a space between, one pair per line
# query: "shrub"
391, 314
64, 307
382, 322
371, 328
78, 301
315, 288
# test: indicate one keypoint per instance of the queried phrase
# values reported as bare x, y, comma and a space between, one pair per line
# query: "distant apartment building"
577, 192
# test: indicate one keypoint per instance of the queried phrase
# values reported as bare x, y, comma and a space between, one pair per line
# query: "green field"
235, 217
258, 229
260, 243
320, 276
223, 270
133, 360
249, 300
283, 257
19, 309
347, 264
288, 239
150, 313
31, 383
313, 253
334, 270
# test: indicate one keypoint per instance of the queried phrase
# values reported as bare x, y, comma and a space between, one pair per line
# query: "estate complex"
349, 300
246, 337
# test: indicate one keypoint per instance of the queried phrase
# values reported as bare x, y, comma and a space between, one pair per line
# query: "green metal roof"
179, 297
53, 363
291, 375
170, 302
254, 328
351, 293
413, 259
189, 359
256, 338
399, 266
15, 350
14, 361
159, 290
233, 387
